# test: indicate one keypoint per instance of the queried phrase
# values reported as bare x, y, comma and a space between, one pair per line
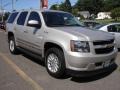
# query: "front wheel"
55, 63
12, 46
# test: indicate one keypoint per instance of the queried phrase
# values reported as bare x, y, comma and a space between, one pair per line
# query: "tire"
12, 46
55, 62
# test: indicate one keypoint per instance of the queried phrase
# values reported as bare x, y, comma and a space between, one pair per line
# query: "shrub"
115, 13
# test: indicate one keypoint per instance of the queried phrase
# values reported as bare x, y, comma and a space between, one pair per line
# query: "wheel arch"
10, 34
49, 45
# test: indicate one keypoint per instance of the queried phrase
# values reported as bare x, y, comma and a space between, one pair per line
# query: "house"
85, 14
103, 15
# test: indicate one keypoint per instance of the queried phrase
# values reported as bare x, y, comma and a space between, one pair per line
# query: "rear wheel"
55, 63
12, 46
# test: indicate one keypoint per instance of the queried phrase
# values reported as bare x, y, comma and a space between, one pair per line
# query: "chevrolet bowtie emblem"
109, 45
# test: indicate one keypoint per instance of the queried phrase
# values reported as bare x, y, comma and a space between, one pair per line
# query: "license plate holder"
106, 63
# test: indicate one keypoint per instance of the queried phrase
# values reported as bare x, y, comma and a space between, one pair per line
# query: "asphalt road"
22, 72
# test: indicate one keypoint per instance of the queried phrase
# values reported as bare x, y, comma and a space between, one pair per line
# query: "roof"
39, 10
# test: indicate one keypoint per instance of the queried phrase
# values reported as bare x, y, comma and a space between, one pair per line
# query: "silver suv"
62, 41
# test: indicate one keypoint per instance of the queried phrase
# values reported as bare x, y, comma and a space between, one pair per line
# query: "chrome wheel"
12, 46
53, 63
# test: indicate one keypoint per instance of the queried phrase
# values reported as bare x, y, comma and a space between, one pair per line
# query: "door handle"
15, 29
45, 32
25, 31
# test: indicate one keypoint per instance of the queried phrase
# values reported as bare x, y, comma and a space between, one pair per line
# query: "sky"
27, 4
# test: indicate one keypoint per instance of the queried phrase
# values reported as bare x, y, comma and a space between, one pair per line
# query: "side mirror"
34, 23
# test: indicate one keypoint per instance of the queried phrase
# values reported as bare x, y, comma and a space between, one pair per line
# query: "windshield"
59, 19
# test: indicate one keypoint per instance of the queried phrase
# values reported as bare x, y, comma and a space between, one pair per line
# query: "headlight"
79, 46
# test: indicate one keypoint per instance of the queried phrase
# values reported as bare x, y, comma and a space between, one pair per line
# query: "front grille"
104, 50
105, 46
103, 42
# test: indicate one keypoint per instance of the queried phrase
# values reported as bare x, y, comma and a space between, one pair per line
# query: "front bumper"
105, 70
89, 62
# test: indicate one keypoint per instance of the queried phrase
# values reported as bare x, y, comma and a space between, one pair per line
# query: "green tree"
6, 15
111, 4
75, 11
93, 6
66, 6
62, 6
55, 7
115, 13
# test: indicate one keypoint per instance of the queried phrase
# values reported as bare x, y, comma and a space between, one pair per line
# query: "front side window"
12, 17
58, 19
22, 18
34, 16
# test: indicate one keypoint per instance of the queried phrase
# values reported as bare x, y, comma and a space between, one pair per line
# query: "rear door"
20, 30
11, 21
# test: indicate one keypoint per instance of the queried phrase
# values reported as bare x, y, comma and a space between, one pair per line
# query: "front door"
34, 35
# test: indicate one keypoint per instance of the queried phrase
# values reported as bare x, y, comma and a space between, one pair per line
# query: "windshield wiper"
75, 25
55, 25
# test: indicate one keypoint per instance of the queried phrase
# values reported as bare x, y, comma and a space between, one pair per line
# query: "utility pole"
2, 12
1, 4
40, 4
12, 5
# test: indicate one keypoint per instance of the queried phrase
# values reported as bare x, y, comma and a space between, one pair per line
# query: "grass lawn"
105, 21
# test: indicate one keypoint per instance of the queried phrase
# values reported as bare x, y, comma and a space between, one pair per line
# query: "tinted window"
59, 19
34, 16
22, 18
118, 27
12, 17
112, 28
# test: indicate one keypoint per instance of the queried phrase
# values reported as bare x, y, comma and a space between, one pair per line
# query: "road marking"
21, 73
1, 31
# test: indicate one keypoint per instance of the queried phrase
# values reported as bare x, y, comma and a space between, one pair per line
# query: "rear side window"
12, 17
22, 18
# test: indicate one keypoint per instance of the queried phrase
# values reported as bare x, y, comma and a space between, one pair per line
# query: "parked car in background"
2, 25
90, 23
111, 28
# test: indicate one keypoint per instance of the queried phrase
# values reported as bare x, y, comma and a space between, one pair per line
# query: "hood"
89, 34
